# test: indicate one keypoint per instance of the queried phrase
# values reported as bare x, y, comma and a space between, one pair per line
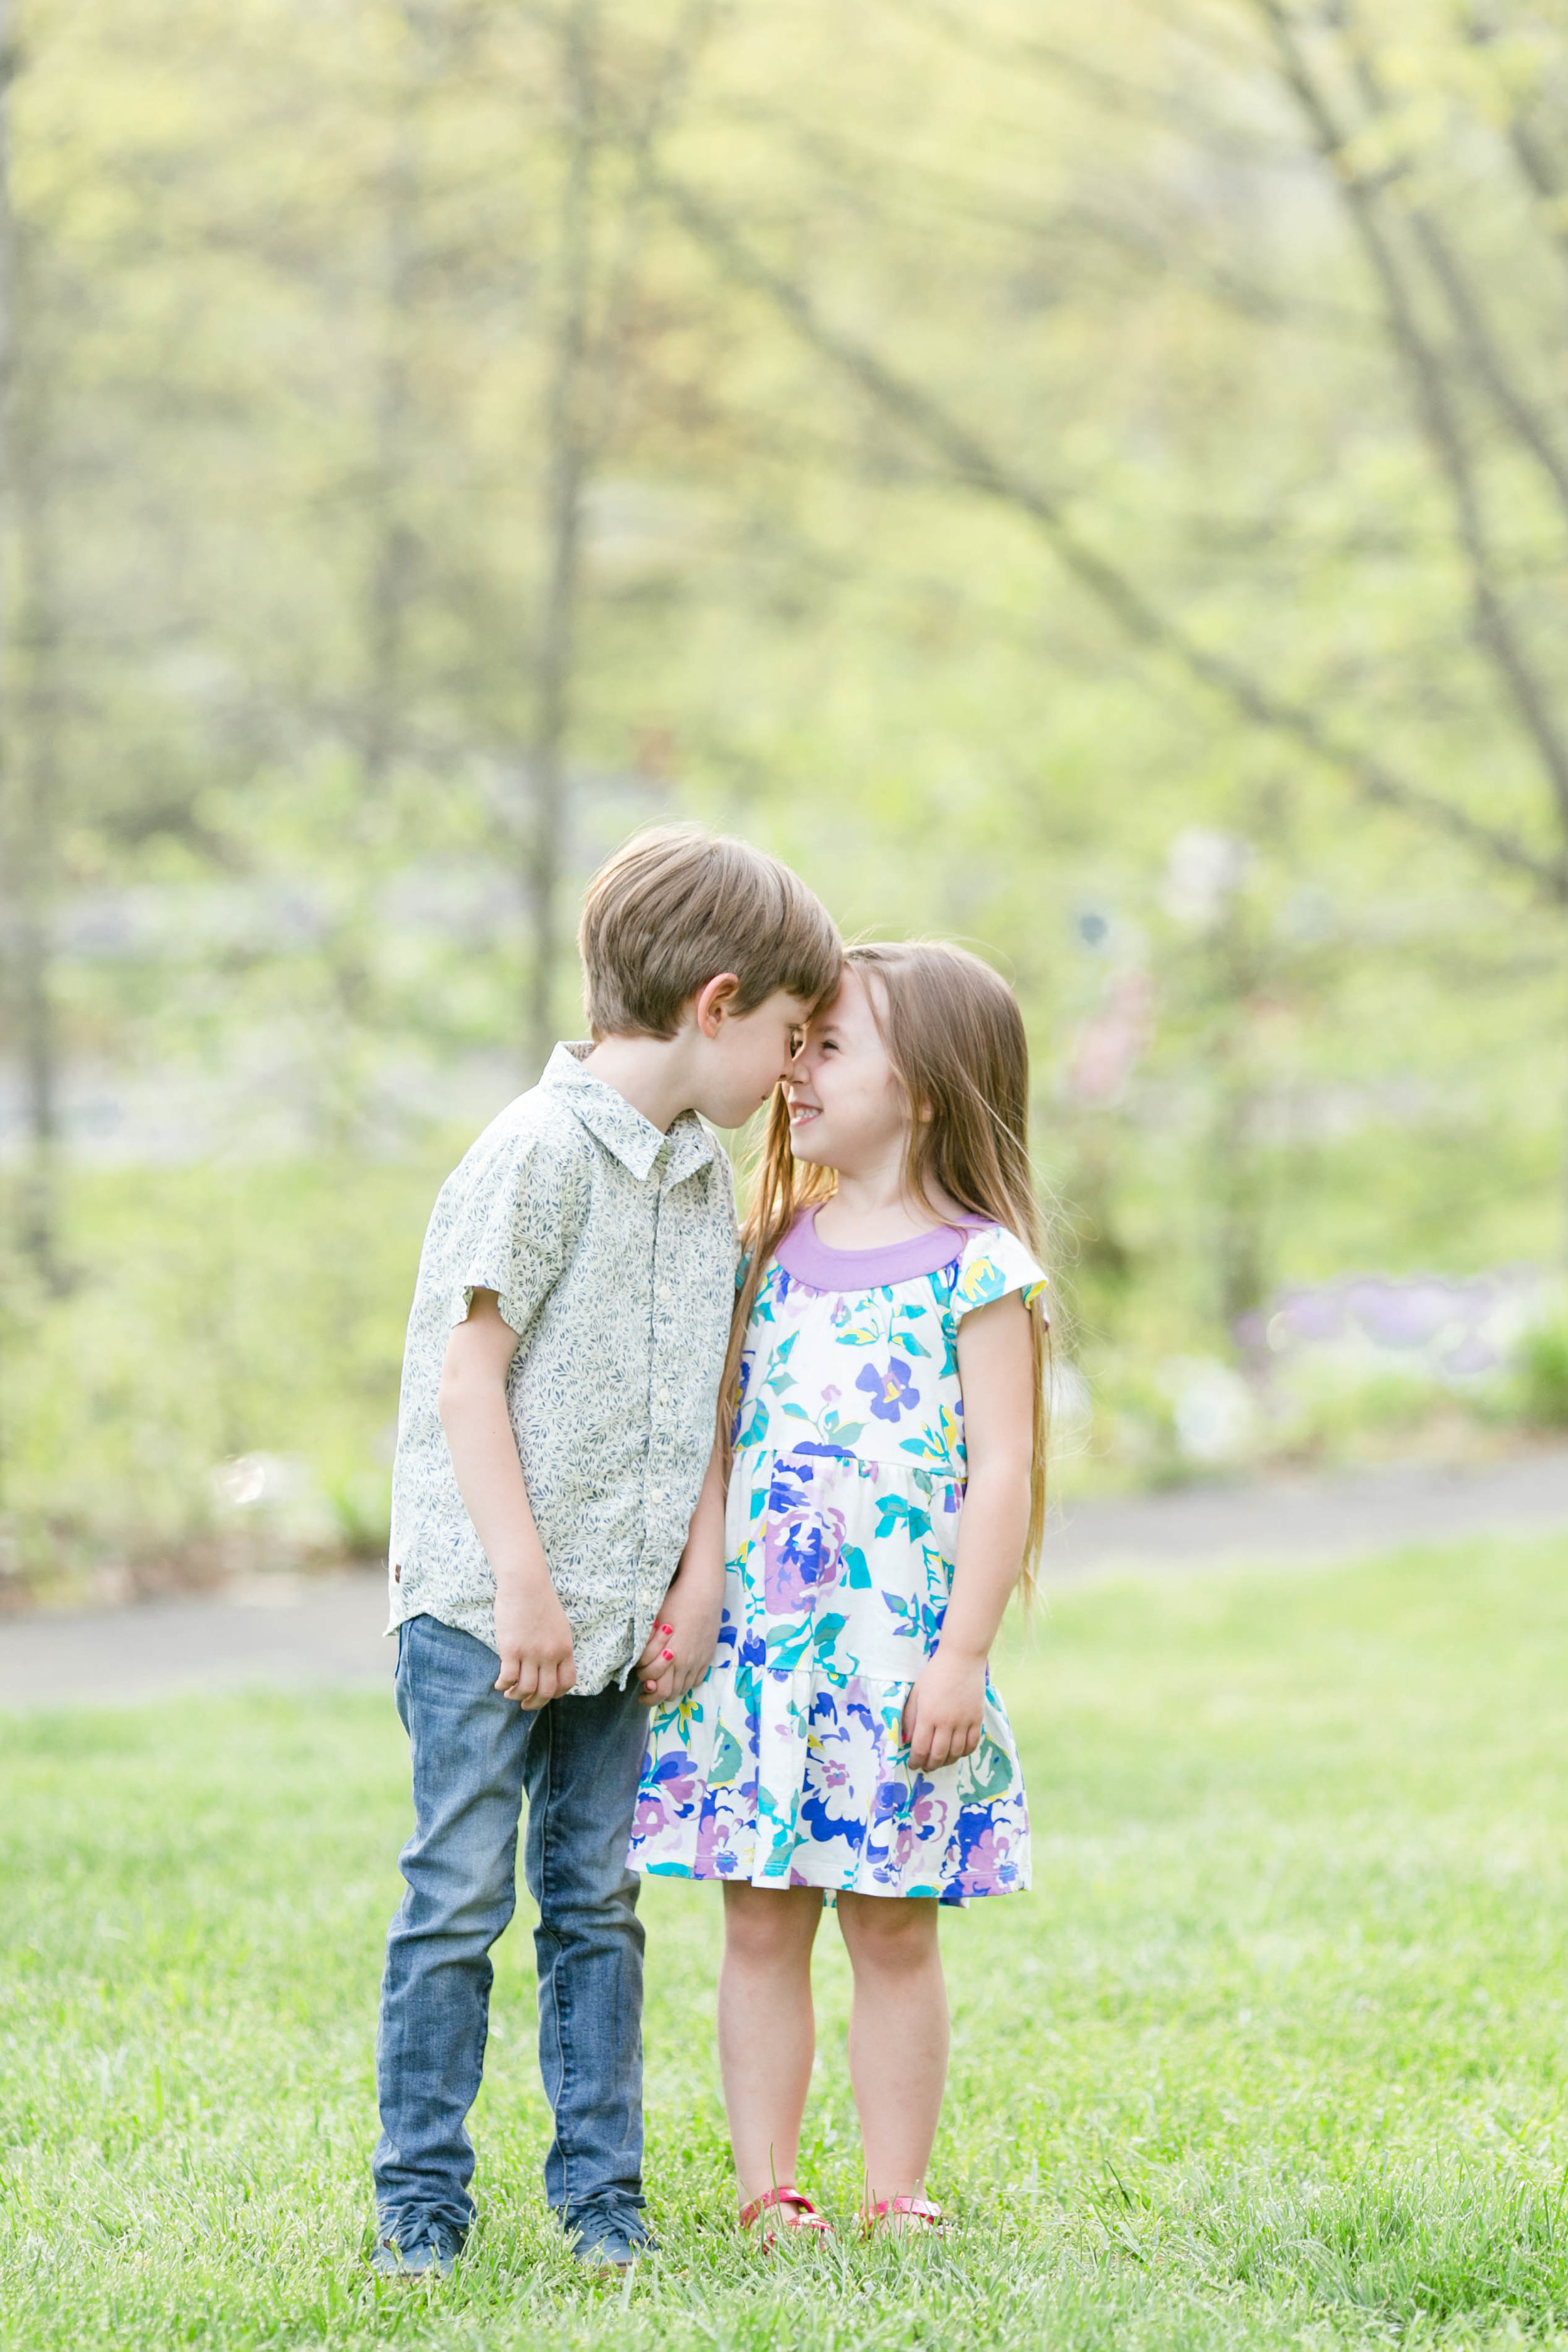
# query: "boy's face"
743, 1056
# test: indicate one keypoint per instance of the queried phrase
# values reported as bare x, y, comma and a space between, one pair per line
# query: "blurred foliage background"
1092, 483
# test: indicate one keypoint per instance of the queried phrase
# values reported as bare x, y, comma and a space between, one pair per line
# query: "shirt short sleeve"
510, 1228
994, 1263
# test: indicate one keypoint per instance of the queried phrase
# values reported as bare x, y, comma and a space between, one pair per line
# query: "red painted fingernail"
666, 1656
667, 1629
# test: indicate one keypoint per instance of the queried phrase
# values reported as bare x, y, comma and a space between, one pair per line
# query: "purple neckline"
806, 1258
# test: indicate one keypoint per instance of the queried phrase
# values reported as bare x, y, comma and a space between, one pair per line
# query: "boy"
557, 1518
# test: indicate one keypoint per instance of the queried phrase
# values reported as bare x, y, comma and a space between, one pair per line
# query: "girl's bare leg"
898, 2036
767, 2034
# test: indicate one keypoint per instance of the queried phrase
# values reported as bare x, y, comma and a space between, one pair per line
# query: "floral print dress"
787, 1765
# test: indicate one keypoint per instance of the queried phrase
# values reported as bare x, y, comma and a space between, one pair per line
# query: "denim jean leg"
469, 1746
582, 1779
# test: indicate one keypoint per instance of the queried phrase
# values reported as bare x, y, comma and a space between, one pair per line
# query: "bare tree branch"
1434, 409
983, 471
666, 85
1537, 168
1115, 93
1479, 344
1544, 178
945, 196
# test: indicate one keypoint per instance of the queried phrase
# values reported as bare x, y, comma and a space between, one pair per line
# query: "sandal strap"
913, 2208
786, 2193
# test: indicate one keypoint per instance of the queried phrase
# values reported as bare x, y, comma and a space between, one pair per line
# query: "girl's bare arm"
997, 1373
680, 1648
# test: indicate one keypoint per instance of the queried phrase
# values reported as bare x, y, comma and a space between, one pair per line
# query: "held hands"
534, 1641
942, 1712
680, 1647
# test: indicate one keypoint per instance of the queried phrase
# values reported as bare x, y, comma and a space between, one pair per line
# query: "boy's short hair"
677, 906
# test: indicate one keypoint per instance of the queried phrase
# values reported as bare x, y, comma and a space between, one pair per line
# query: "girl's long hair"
955, 1037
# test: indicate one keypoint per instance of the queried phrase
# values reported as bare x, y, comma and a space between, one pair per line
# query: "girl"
886, 1493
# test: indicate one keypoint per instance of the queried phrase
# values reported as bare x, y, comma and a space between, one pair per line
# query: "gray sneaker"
607, 2246
427, 2258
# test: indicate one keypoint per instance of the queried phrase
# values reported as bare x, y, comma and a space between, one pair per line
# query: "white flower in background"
1212, 1409
249, 1480
280, 1492
1203, 871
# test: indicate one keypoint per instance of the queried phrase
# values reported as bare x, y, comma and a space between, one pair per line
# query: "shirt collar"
607, 1116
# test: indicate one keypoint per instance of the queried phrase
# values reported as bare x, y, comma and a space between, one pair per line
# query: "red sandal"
802, 2214
927, 2218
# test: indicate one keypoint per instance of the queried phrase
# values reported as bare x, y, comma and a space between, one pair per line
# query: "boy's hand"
680, 1647
942, 1713
534, 1640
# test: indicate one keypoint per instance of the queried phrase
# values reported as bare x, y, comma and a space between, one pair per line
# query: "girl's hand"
680, 1648
942, 1713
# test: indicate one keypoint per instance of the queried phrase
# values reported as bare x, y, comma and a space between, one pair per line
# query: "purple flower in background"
1317, 1314
1472, 1354
1454, 1323
1402, 1314
892, 1391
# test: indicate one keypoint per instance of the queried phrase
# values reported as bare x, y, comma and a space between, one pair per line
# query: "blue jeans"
476, 1755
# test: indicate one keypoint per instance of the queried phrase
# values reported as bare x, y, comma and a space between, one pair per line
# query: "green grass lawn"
1272, 2055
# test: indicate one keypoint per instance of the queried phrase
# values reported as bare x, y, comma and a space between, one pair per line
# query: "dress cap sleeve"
994, 1262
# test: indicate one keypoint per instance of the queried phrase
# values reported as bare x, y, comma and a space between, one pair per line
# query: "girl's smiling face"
847, 1108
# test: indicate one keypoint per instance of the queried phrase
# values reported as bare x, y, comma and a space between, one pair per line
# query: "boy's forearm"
489, 1477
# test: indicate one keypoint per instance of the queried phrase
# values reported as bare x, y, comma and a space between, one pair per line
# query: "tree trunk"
388, 586
565, 481
38, 702
393, 544
29, 712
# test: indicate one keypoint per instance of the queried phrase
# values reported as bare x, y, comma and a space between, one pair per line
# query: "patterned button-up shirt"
611, 1249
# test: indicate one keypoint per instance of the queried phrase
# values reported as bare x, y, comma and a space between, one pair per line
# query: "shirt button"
659, 1494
